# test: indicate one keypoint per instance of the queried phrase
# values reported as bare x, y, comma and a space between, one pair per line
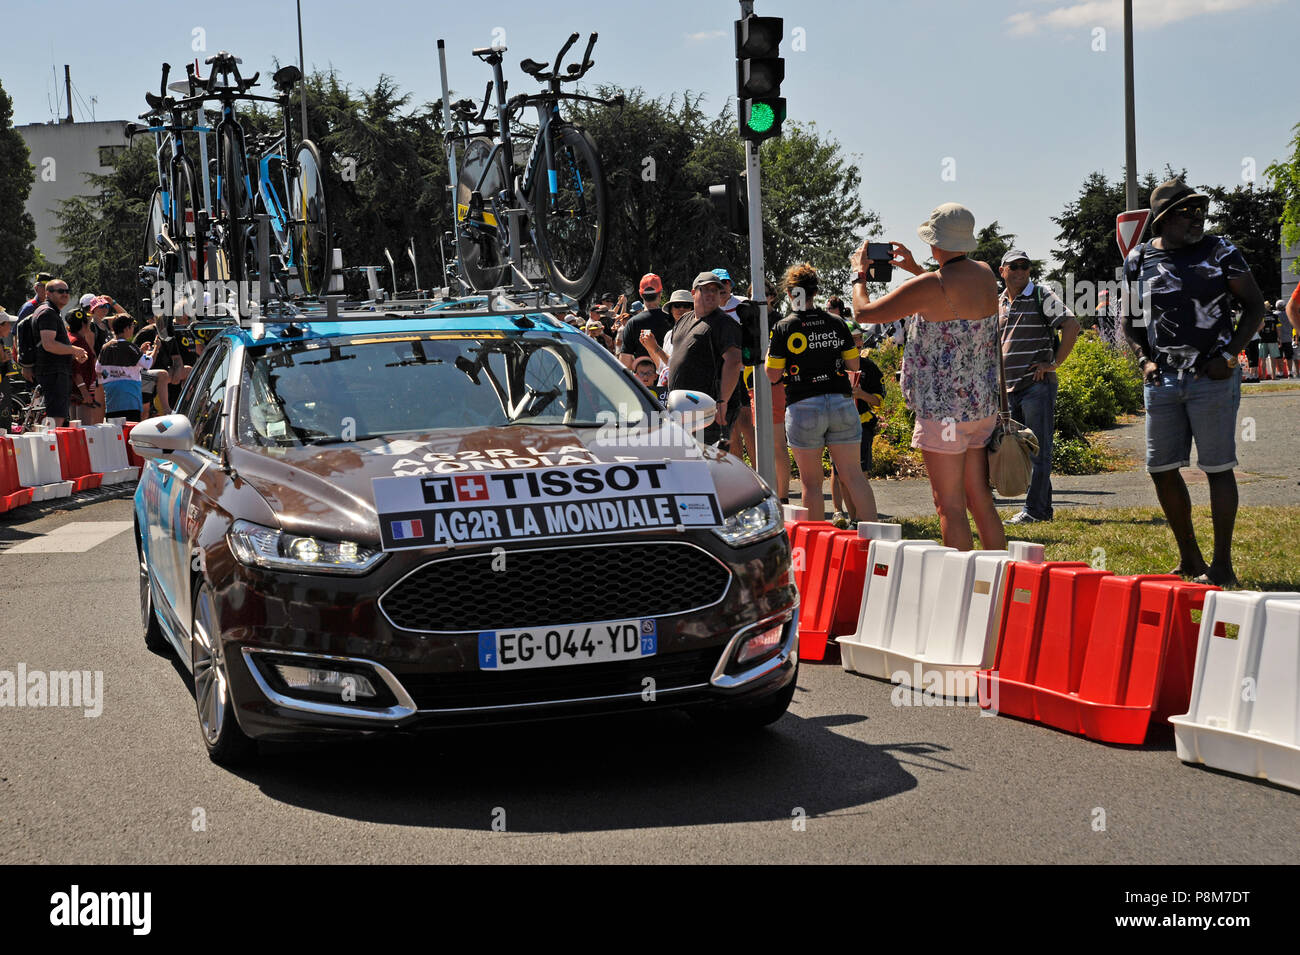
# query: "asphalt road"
846, 776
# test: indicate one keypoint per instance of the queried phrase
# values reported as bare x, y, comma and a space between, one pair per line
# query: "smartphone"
880, 251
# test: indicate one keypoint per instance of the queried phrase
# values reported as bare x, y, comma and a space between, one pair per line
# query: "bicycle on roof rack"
558, 201
291, 194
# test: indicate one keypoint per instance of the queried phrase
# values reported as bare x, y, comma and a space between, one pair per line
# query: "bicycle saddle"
532, 67
223, 59
285, 77
154, 100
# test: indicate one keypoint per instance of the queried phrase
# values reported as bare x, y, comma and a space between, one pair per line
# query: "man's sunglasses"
1193, 210
1020, 265
57, 291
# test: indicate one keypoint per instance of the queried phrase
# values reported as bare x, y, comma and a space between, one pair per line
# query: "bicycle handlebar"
573, 38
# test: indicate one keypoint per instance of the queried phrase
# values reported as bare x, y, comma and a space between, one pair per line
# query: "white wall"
63, 154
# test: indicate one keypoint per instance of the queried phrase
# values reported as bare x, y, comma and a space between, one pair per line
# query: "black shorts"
57, 389
1286, 349
1252, 352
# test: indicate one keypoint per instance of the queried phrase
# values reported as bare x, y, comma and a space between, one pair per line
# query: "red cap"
651, 283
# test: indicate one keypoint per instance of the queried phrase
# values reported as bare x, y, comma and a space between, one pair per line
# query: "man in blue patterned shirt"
1178, 314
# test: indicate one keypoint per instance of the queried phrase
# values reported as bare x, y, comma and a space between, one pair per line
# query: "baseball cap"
707, 278
1014, 255
87, 299
97, 301
636, 307
722, 274
650, 283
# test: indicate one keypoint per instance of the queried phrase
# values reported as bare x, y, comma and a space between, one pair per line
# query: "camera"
880, 266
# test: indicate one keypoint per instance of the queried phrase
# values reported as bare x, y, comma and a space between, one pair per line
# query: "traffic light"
759, 74
731, 204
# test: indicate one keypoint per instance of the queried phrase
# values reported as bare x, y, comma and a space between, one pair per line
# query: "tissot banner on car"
541, 503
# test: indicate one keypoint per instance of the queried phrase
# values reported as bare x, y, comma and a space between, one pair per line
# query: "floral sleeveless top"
950, 369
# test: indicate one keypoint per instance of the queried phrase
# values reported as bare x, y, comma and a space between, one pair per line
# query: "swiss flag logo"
471, 487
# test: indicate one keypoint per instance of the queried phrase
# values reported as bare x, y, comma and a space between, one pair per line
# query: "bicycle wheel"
571, 225
480, 240
236, 210
182, 223
155, 224
311, 234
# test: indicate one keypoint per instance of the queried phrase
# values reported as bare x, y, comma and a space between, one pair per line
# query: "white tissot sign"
541, 503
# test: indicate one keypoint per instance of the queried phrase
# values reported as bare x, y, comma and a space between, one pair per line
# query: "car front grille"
478, 688
554, 586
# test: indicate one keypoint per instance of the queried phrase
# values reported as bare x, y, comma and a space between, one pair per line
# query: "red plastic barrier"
799, 540
12, 494
1021, 621
1108, 653
836, 612
815, 585
132, 458
74, 459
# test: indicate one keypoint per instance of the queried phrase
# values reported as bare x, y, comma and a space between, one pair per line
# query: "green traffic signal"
761, 117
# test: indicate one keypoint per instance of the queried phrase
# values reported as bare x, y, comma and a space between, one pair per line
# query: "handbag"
1012, 447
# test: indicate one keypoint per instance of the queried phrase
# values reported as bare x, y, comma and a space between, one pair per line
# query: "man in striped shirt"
1030, 316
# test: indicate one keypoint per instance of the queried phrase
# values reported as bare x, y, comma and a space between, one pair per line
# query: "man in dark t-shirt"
706, 350
652, 317
1185, 281
55, 353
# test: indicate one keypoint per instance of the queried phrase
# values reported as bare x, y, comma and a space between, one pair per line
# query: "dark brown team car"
380, 524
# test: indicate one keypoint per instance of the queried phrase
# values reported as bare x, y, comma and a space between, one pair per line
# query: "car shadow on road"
626, 772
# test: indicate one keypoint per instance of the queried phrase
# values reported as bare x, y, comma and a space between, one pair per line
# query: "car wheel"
153, 635
225, 741
748, 717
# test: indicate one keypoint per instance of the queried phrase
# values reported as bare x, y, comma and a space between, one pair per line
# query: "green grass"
1137, 540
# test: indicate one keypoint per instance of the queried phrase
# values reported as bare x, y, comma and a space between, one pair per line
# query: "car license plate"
568, 645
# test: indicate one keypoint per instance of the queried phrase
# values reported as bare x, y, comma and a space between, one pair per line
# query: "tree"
1248, 217
1285, 176
1088, 250
18, 235
660, 155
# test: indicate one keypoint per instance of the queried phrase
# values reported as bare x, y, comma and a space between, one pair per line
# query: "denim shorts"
1193, 407
822, 420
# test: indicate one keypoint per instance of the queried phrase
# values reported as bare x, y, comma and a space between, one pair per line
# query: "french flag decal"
407, 530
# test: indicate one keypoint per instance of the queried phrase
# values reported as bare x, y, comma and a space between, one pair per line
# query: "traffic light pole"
766, 453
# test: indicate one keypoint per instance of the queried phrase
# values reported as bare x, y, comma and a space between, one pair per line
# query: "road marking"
74, 538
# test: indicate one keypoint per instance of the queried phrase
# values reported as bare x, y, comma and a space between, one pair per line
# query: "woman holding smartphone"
950, 367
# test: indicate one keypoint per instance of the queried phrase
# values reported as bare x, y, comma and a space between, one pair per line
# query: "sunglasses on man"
1020, 265
1193, 210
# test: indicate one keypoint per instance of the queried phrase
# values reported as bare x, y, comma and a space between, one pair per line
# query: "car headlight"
752, 524
256, 546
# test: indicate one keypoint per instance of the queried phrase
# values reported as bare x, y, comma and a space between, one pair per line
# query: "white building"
64, 154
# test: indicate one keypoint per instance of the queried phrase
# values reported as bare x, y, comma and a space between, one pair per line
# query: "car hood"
326, 490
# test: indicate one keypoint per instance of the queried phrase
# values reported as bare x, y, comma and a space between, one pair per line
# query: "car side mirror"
694, 409
159, 437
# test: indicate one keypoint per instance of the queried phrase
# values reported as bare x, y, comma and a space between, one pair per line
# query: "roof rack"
492, 303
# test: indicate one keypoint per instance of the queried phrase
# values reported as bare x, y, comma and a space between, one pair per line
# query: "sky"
1003, 105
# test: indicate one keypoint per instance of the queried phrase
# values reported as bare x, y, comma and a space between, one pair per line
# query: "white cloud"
1147, 14
706, 35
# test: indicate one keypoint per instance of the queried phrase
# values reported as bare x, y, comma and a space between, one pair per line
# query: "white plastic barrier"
38, 465
944, 622
108, 453
1026, 552
872, 531
1244, 715
865, 651
963, 634
791, 513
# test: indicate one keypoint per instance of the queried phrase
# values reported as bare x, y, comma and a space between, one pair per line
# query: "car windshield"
357, 387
